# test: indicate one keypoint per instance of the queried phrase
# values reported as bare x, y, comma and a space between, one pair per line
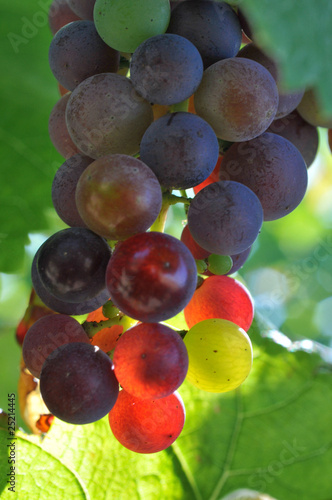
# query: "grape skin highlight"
220, 355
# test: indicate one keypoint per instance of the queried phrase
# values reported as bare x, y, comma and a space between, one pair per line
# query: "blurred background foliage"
289, 272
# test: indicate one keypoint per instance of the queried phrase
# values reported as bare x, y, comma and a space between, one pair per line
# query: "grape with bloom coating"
220, 355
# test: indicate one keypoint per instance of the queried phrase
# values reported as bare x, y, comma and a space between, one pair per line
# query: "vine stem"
168, 200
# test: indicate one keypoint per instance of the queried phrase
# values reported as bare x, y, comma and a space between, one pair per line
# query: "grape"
147, 426
221, 297
118, 196
220, 355
166, 69
106, 115
125, 24
77, 383
45, 335
273, 168
151, 277
288, 101
197, 251
225, 217
150, 361
77, 52
71, 264
64, 186
212, 27
181, 149
57, 129
238, 98
83, 8
59, 15
62, 306
300, 133
311, 111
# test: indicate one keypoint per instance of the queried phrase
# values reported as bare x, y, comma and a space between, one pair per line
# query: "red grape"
147, 426
221, 297
150, 361
151, 276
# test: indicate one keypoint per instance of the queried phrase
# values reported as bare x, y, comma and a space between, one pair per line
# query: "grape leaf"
38, 475
299, 36
273, 434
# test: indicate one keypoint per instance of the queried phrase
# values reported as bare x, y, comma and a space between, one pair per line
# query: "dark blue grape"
181, 149
225, 217
166, 69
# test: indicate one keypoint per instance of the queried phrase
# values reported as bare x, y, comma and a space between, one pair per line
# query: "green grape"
220, 355
125, 24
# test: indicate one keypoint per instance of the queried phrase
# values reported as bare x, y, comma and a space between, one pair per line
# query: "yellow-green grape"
220, 355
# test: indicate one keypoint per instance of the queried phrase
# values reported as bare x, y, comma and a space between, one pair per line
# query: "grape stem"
168, 200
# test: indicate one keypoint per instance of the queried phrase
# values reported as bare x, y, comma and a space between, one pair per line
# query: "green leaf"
299, 36
28, 158
273, 434
38, 475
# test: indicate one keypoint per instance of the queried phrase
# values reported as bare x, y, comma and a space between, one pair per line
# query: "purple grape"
77, 383
77, 52
64, 187
213, 27
273, 168
45, 335
83, 8
166, 69
71, 264
58, 130
60, 306
300, 133
225, 217
181, 149
60, 14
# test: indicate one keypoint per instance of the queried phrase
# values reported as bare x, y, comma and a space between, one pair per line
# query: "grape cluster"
157, 96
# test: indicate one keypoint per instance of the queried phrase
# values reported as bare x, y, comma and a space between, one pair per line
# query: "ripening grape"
77, 383
105, 115
238, 98
118, 196
125, 24
45, 335
221, 297
150, 361
220, 355
147, 426
312, 112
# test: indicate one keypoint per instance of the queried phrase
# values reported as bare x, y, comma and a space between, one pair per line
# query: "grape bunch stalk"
157, 97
